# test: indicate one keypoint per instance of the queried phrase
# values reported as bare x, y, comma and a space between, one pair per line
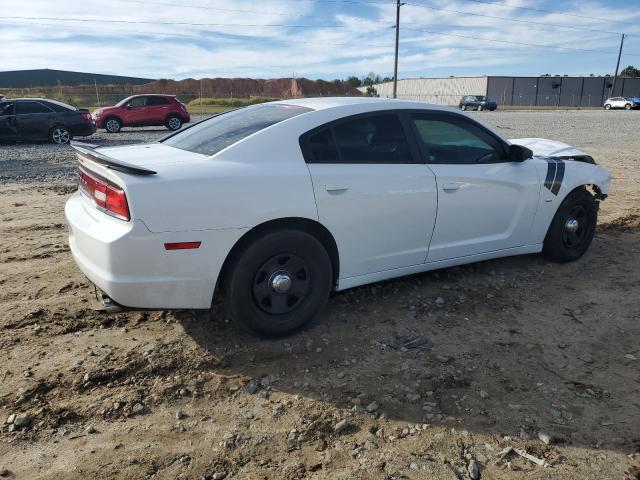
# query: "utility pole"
615, 77
395, 63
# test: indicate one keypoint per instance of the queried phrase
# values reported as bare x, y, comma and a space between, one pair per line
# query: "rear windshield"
59, 106
217, 133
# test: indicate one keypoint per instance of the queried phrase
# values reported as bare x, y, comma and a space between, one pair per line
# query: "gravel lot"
407, 379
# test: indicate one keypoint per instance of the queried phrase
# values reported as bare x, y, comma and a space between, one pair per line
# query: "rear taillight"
86, 116
109, 198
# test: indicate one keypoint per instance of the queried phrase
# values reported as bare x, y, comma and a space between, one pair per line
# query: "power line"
198, 37
542, 10
190, 24
515, 43
205, 7
573, 27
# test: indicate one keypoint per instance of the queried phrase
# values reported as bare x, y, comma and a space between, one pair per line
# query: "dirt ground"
386, 384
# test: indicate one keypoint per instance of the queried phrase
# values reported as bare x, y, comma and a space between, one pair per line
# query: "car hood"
105, 109
543, 147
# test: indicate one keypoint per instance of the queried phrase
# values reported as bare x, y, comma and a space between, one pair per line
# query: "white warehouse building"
542, 91
444, 91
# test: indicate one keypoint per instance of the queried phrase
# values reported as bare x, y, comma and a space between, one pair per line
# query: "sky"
326, 39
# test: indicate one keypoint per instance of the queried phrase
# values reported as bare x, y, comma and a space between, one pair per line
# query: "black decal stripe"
557, 183
551, 173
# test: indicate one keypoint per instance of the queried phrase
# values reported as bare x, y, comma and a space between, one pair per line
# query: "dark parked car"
477, 102
25, 119
143, 111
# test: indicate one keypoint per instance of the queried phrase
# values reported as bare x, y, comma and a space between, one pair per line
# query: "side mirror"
129, 107
518, 153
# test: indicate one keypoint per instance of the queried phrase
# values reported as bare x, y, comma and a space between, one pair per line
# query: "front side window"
7, 109
216, 133
32, 107
456, 140
138, 102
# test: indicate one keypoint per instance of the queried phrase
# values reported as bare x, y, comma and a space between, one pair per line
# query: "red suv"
143, 111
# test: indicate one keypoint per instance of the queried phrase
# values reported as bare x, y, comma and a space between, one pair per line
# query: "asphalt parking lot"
411, 378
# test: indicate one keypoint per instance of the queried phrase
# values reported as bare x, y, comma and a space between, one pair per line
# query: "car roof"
151, 95
323, 103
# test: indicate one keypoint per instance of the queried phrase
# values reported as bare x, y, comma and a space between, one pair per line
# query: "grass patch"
228, 102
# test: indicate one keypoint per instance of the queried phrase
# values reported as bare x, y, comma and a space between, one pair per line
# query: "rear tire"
112, 125
464, 107
278, 283
173, 123
60, 135
627, 106
572, 228
479, 108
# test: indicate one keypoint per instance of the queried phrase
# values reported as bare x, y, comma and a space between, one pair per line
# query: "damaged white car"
278, 204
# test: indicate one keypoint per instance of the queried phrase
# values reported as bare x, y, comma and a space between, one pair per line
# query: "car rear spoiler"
89, 152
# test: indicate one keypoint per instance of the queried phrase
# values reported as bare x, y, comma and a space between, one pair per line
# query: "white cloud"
363, 44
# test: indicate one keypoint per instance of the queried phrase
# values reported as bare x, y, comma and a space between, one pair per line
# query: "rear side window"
157, 101
378, 138
32, 107
221, 131
323, 147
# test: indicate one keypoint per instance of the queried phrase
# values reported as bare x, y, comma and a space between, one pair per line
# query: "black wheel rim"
271, 291
575, 227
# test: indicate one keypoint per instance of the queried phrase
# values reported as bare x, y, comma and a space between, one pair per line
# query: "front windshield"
221, 131
480, 98
122, 103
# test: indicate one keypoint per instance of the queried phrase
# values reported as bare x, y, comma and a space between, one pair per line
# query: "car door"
372, 192
486, 202
34, 119
136, 111
157, 110
8, 121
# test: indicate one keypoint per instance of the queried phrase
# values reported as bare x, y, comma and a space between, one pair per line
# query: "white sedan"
276, 205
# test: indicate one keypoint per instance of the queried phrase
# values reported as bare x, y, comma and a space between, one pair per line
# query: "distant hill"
250, 87
50, 78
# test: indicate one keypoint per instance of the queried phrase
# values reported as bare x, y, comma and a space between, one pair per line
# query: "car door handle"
451, 186
336, 188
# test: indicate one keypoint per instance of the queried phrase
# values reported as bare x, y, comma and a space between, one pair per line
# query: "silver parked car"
621, 102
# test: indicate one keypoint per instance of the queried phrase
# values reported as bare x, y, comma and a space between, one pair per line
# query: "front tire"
173, 123
464, 107
572, 228
607, 107
479, 108
627, 106
278, 283
112, 125
60, 135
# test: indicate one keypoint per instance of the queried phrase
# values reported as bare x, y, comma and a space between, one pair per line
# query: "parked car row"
32, 119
